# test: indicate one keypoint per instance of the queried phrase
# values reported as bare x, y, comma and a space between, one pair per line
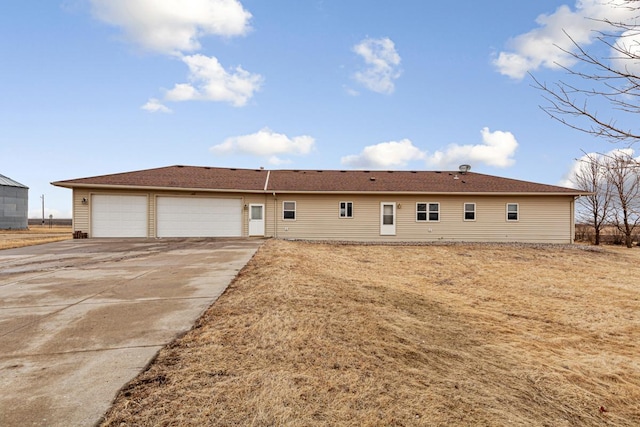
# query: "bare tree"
608, 75
623, 174
594, 208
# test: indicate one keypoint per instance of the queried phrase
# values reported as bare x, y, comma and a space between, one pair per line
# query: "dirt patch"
317, 334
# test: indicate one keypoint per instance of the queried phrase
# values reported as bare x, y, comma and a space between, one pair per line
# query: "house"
14, 204
346, 205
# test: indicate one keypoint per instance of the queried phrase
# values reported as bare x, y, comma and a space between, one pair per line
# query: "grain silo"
14, 204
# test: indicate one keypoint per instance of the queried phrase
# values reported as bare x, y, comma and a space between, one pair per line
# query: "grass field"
462, 334
34, 235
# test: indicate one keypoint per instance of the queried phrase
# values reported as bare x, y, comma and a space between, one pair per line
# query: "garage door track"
80, 318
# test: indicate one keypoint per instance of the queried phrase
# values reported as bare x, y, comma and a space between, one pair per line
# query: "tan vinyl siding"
547, 219
544, 219
81, 210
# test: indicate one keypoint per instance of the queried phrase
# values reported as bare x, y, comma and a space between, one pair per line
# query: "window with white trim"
427, 211
346, 209
421, 211
289, 210
469, 211
512, 212
434, 211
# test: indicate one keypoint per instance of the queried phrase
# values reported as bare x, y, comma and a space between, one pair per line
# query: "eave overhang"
341, 192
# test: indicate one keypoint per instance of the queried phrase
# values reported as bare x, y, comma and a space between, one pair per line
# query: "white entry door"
256, 220
388, 218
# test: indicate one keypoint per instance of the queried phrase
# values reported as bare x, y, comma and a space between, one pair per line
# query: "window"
512, 211
421, 212
427, 211
387, 214
434, 211
469, 211
346, 209
289, 210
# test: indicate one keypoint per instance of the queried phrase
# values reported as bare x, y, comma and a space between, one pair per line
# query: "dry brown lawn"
316, 334
10, 239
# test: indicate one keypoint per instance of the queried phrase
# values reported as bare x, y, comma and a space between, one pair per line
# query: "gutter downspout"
275, 222
275, 216
573, 218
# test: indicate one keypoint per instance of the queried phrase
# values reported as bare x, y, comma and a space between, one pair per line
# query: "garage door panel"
199, 217
118, 216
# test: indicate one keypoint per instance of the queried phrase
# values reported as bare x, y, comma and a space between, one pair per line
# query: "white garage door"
199, 217
118, 216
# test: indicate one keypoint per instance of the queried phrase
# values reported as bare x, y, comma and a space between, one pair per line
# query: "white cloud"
383, 64
266, 143
385, 155
351, 91
629, 60
539, 47
277, 161
155, 106
209, 81
497, 149
569, 180
173, 26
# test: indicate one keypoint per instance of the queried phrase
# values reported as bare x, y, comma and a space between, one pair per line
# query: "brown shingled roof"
189, 177
402, 181
351, 181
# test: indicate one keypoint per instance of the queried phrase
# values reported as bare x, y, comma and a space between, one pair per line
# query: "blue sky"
92, 87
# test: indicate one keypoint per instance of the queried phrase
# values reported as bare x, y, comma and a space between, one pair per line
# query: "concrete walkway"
81, 318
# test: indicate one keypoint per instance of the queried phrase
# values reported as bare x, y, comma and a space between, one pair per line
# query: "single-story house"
14, 204
345, 205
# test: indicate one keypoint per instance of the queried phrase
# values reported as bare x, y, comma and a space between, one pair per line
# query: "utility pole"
42, 197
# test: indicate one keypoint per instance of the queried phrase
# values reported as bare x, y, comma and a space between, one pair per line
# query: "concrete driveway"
80, 318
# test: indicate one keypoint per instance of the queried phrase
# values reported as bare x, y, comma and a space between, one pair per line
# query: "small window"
289, 210
469, 211
427, 211
346, 209
512, 211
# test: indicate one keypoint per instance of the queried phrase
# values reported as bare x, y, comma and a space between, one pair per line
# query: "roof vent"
464, 168
372, 178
